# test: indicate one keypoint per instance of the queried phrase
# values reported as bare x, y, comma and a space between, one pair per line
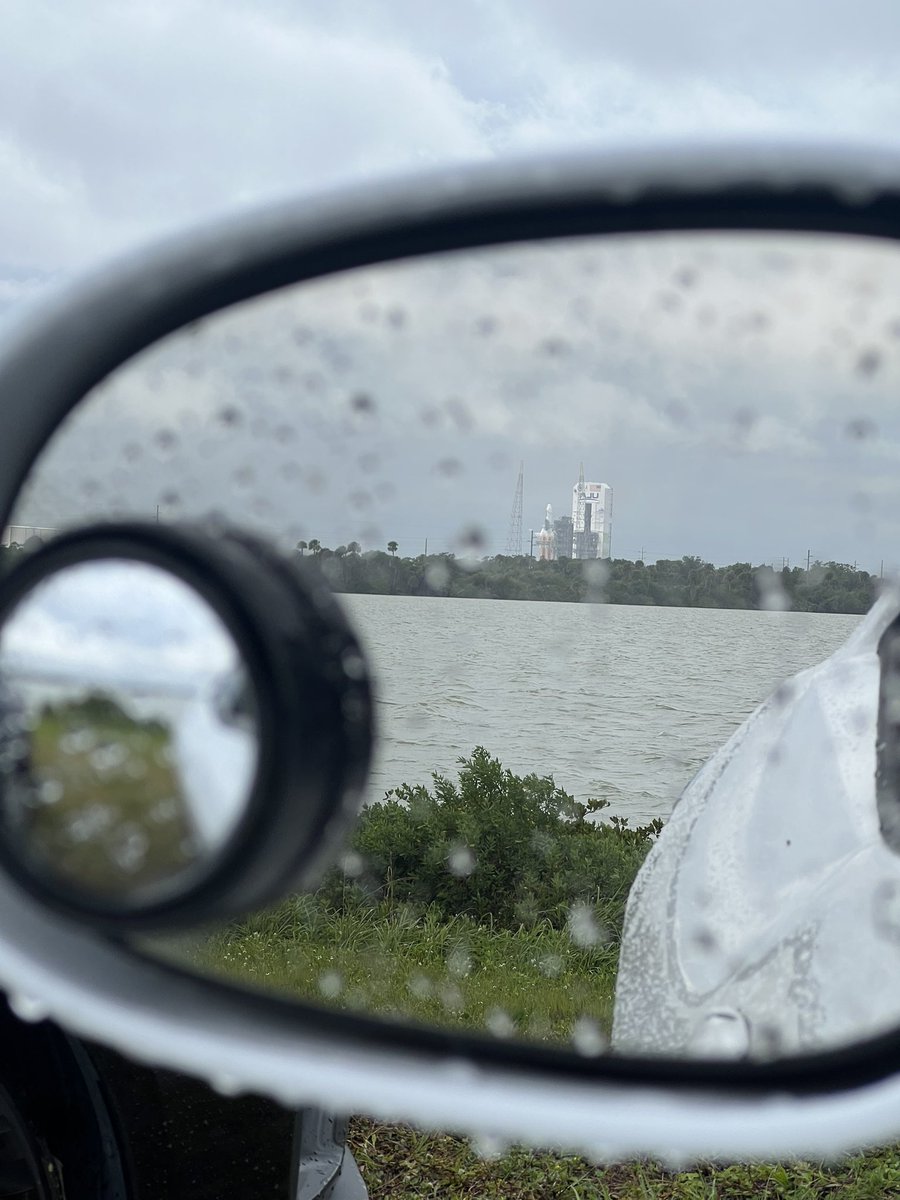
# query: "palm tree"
301, 546
392, 547
353, 547
315, 546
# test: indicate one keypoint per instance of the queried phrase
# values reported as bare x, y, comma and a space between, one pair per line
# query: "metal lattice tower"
514, 536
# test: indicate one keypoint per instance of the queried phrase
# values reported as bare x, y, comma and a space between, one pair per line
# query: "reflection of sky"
738, 394
118, 623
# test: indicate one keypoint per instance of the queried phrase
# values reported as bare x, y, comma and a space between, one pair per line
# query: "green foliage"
684, 582
497, 847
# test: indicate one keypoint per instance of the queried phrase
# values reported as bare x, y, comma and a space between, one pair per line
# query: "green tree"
392, 547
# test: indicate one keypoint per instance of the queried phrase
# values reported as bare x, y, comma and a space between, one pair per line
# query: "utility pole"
807, 561
531, 547
426, 548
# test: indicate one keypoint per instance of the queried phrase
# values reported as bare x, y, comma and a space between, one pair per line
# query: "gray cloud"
120, 122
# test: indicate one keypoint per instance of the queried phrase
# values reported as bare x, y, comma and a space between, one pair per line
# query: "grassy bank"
396, 962
493, 902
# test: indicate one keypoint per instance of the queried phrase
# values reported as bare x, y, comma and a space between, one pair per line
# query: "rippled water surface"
613, 701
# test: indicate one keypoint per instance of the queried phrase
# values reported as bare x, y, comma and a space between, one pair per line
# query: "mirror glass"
128, 740
590, 503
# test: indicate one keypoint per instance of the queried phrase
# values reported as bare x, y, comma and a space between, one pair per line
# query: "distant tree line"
684, 582
687, 582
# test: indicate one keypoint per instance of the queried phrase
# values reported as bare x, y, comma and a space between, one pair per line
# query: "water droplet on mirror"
331, 984
488, 1146
583, 928
723, 1033
50, 792
588, 1038
886, 910
551, 965
225, 1084
461, 861
459, 961
499, 1023
28, 1008
869, 361
229, 416
860, 428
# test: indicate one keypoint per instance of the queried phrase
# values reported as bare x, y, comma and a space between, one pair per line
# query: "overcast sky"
121, 121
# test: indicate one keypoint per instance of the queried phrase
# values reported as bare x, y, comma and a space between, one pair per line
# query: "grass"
412, 965
106, 808
399, 1162
402, 963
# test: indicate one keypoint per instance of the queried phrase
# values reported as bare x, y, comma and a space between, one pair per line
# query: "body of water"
613, 701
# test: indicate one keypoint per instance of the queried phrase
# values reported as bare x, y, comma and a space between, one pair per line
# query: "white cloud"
122, 121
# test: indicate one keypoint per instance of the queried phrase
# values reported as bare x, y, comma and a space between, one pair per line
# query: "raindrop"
488, 1146
723, 1033
132, 452
860, 428
437, 576
165, 439
459, 961
472, 538
461, 862
551, 965
50, 792
704, 940
459, 414
28, 1008
588, 1038
229, 416
451, 998
396, 318
554, 347
362, 402
331, 984
583, 928
485, 326
225, 1084
869, 361
353, 664
886, 910
108, 758
352, 864
449, 467
500, 1023
420, 986
369, 462
131, 850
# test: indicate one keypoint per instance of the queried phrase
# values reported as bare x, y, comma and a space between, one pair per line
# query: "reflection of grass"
462, 973
107, 812
532, 983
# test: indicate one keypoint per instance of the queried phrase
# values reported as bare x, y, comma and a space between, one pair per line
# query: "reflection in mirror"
591, 503
127, 735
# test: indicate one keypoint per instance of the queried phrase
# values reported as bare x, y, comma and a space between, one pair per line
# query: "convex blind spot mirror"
603, 457
175, 704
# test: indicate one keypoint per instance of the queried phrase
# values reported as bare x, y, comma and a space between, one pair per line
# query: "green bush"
502, 849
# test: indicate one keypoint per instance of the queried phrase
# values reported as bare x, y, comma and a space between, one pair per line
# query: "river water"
614, 701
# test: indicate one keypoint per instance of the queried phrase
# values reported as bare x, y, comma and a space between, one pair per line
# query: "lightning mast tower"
514, 536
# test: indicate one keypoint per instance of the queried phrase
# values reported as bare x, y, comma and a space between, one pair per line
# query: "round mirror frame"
314, 747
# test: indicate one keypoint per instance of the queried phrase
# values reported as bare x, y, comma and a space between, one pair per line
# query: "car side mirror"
424, 399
